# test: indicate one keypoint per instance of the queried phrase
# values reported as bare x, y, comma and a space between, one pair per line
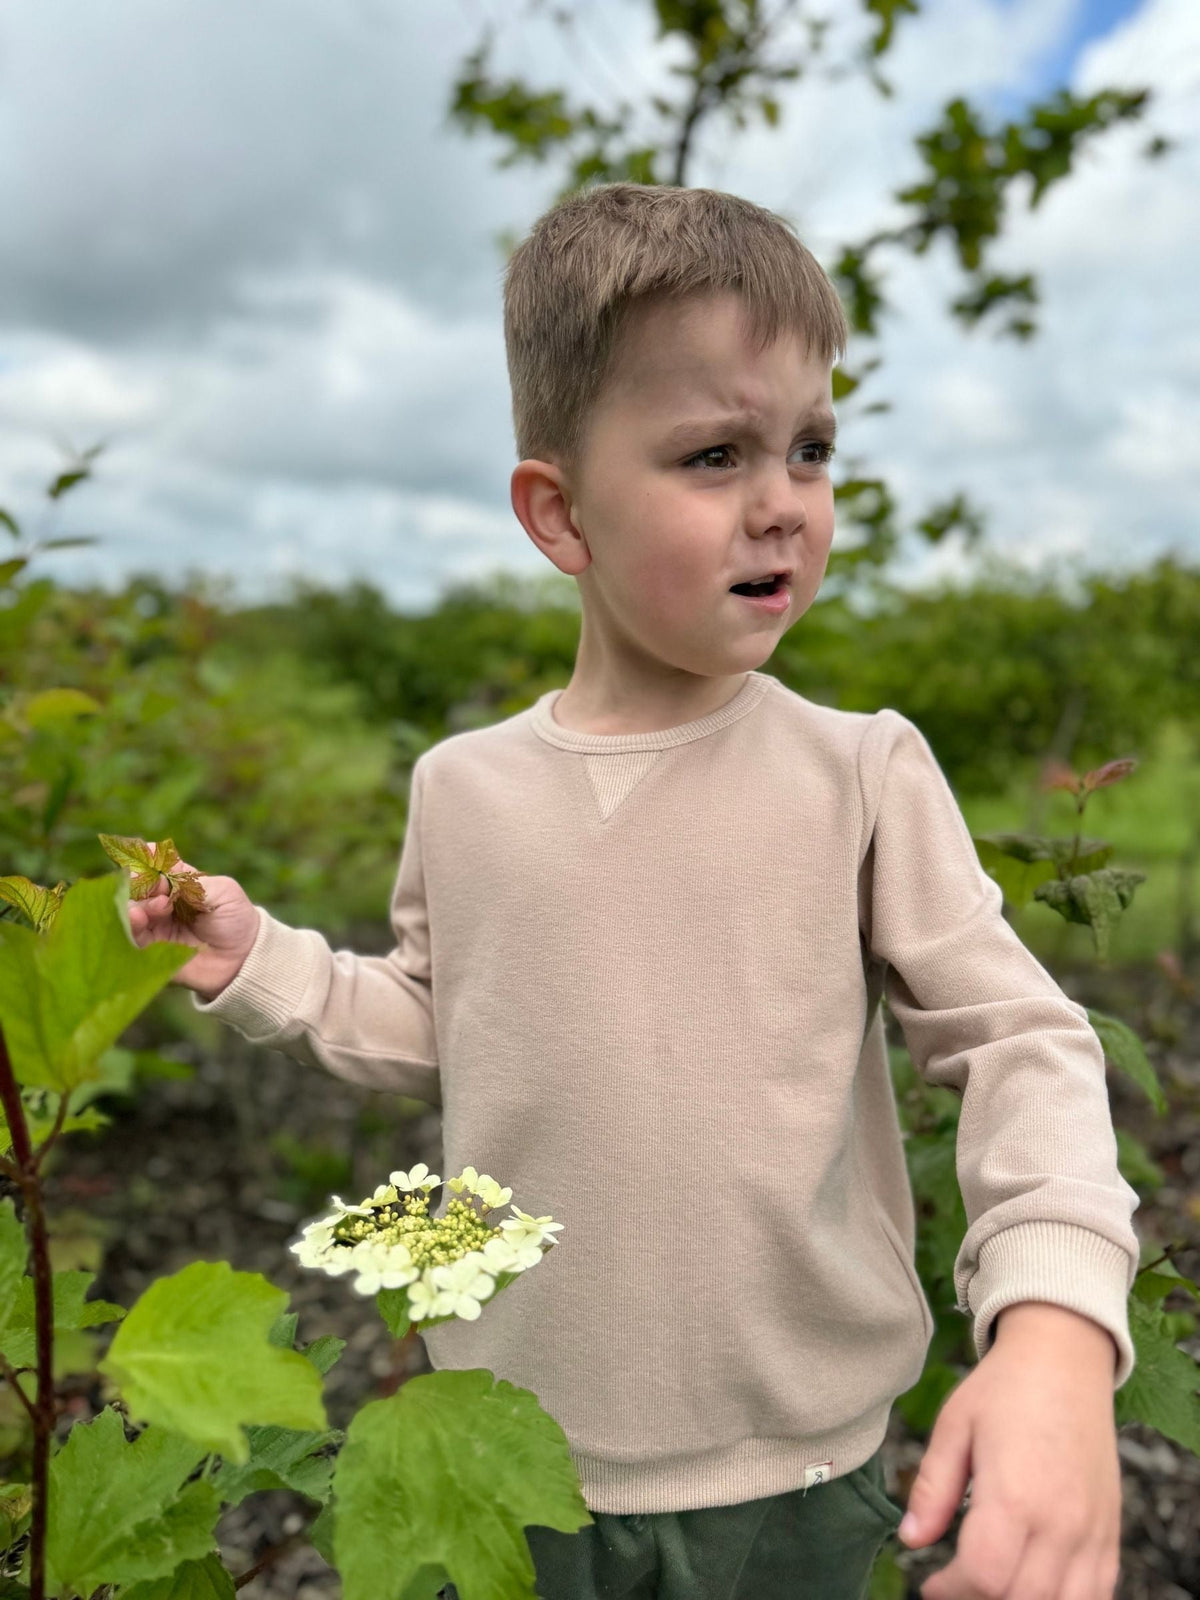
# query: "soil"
189, 1170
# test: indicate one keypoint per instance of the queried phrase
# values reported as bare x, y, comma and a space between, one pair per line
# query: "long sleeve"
365, 1018
1048, 1213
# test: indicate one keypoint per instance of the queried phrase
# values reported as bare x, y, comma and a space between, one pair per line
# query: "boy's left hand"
1032, 1427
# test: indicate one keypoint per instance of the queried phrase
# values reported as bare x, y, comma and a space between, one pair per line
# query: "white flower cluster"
464, 1275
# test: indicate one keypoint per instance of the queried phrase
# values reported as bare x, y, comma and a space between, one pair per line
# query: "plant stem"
42, 1413
39, 1155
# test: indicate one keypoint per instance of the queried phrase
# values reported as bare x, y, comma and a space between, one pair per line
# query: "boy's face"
662, 517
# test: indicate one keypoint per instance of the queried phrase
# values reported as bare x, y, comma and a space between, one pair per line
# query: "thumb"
940, 1485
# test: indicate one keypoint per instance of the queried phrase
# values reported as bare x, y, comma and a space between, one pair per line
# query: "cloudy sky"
246, 249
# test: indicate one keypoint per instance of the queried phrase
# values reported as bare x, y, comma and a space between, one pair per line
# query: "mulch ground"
188, 1170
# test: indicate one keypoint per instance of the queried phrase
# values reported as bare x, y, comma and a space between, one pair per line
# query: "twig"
269, 1557
60, 1117
42, 1413
10, 1376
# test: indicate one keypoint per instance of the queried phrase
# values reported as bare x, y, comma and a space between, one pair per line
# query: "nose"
778, 505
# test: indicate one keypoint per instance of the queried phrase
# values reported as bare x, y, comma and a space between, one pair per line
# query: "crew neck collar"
543, 723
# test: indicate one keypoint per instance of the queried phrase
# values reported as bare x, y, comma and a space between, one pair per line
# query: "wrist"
1056, 1328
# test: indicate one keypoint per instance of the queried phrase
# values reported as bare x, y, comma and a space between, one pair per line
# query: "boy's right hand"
222, 934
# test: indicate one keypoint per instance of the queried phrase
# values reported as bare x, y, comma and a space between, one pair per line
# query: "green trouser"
814, 1544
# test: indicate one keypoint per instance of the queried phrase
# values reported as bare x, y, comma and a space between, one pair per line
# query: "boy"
643, 929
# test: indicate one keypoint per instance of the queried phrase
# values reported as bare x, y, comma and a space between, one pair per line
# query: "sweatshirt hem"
752, 1469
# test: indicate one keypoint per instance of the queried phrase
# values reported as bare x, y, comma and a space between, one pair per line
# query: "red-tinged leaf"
1110, 772
1058, 775
39, 906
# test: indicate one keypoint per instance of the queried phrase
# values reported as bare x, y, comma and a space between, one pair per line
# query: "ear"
542, 499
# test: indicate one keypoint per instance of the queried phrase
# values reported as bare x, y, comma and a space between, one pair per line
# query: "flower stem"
42, 1411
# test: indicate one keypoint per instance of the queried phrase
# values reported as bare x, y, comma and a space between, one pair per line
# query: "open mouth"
765, 586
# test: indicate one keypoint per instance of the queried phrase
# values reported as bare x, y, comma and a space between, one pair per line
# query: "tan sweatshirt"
640, 974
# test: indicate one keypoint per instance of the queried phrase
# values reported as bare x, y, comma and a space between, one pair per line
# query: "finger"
940, 1484
990, 1545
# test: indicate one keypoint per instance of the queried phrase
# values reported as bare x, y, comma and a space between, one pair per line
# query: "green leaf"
1161, 1391
16, 1512
194, 1580
320, 1532
7, 520
14, 1252
1135, 1163
67, 994
324, 1352
1016, 877
396, 1525
194, 1354
393, 1308
18, 1338
1094, 898
118, 1512
280, 1458
58, 705
1128, 1054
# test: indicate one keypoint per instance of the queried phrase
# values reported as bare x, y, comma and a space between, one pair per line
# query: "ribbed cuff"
1063, 1264
268, 990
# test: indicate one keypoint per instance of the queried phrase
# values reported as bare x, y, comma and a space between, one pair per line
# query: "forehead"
675, 353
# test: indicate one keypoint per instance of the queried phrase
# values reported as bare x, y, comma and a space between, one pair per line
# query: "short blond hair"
570, 283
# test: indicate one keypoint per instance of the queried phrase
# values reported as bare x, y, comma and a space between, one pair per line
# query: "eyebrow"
817, 417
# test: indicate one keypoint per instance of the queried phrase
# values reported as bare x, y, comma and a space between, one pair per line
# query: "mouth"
763, 586
773, 594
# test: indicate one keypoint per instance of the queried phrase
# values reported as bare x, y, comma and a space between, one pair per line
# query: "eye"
826, 452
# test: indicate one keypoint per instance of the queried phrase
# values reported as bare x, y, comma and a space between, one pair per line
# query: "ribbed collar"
543, 723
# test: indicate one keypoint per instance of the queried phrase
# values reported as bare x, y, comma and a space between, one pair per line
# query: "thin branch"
270, 1556
60, 1118
9, 1373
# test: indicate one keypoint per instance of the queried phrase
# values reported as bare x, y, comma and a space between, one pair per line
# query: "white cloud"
254, 256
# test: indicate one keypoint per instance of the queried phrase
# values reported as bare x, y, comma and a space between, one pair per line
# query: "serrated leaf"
184, 888
324, 1352
66, 995
117, 1512
511, 1467
194, 1354
37, 905
280, 1458
18, 1339
1161, 1391
194, 1580
1127, 1053
1096, 899
58, 705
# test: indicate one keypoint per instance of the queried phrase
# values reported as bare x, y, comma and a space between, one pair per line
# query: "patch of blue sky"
1091, 19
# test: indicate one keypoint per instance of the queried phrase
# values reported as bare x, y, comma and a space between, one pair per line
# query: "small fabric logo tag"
819, 1473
